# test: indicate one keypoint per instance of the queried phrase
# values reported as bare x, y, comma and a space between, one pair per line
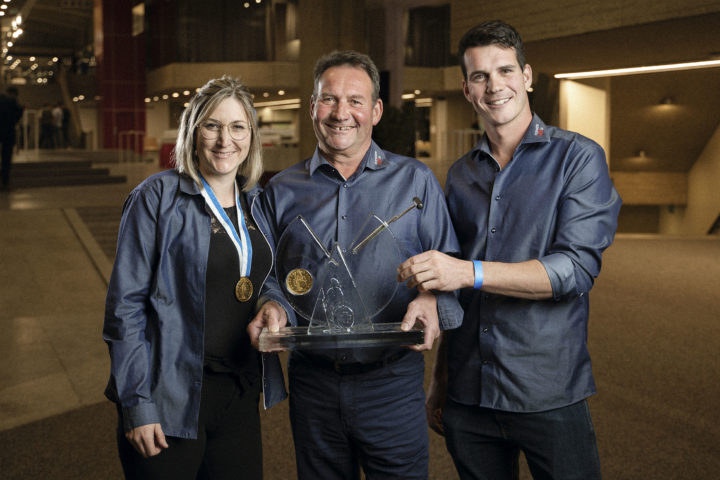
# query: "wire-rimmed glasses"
210, 130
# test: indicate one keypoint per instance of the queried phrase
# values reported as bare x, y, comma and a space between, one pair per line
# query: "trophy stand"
339, 291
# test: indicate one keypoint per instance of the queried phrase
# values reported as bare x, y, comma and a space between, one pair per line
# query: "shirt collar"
537, 132
374, 159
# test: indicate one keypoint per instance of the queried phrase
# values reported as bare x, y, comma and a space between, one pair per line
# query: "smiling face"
221, 157
496, 86
344, 113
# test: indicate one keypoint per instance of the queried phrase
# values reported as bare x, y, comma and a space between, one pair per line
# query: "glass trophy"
337, 292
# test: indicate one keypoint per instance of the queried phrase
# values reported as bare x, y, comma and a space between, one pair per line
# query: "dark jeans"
375, 419
558, 444
229, 445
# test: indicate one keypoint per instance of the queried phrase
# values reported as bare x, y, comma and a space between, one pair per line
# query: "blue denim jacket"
155, 307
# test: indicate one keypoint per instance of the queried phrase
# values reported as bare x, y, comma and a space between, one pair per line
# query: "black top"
227, 345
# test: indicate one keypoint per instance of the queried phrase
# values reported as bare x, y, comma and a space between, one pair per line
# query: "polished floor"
53, 278
654, 339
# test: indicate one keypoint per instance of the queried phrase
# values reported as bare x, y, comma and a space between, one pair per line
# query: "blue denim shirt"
155, 307
554, 201
336, 208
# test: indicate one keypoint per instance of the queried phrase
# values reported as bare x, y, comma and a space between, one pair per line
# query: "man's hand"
423, 310
433, 270
149, 439
272, 316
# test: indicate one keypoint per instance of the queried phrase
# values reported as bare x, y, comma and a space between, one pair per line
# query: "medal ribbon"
241, 239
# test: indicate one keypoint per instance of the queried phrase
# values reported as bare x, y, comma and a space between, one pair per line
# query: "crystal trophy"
336, 292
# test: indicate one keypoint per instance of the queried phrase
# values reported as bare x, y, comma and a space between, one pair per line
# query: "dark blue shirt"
336, 209
554, 201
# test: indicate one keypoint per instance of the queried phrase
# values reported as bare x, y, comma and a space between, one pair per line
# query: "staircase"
63, 168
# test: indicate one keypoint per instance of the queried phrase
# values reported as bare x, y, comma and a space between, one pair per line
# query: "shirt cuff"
139, 415
450, 313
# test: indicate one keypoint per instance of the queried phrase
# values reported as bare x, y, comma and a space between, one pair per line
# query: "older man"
364, 407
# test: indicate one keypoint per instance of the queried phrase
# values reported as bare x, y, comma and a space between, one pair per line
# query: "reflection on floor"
56, 246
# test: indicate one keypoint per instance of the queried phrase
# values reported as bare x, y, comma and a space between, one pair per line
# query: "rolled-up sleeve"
586, 223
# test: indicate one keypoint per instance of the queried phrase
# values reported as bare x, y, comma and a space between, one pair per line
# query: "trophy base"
298, 338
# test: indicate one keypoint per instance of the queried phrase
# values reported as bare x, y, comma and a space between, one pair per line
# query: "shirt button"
485, 330
497, 197
492, 230
344, 217
485, 362
345, 185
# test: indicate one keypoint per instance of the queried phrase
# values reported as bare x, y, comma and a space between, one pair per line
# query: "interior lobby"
124, 70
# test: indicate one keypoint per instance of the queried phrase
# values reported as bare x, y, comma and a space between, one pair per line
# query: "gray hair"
349, 58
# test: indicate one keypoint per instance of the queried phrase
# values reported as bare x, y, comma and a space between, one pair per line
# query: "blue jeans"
375, 419
558, 444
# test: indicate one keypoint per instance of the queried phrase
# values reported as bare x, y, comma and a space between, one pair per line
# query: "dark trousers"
7, 152
342, 421
229, 444
558, 444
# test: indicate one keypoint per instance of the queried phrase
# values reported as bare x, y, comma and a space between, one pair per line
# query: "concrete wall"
561, 18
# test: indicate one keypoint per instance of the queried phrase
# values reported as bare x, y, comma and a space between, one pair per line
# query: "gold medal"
299, 281
244, 289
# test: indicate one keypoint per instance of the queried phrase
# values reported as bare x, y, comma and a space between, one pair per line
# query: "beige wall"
703, 206
585, 109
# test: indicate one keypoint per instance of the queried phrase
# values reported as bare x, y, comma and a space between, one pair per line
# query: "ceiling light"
636, 70
290, 102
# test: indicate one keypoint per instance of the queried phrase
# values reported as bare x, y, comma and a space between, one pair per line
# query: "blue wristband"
477, 265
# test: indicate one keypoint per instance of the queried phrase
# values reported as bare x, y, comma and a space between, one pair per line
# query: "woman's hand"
149, 439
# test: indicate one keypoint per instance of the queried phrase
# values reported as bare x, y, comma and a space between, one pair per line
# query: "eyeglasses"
237, 130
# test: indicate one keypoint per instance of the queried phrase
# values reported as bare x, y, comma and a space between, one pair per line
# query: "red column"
120, 69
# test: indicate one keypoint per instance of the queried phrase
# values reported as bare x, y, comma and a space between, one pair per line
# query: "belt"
353, 368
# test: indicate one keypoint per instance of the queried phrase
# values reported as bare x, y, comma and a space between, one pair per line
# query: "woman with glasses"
192, 257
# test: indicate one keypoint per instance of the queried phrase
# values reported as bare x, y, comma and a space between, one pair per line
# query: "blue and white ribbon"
241, 239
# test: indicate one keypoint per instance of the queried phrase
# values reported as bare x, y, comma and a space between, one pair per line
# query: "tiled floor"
53, 279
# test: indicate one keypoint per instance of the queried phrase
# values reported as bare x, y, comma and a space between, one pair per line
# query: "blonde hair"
202, 104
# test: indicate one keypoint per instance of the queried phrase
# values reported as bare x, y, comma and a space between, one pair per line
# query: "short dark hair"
493, 32
350, 58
